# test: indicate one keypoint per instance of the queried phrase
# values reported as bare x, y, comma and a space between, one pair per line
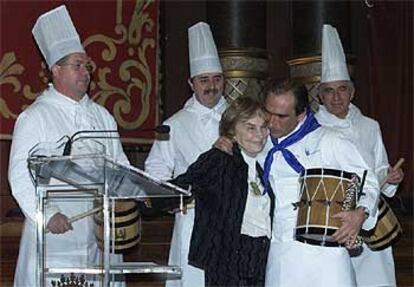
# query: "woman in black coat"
232, 225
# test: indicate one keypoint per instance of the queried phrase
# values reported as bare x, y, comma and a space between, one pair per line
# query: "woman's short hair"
240, 110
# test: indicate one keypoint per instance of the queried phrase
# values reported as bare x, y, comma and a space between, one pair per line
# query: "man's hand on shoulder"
224, 144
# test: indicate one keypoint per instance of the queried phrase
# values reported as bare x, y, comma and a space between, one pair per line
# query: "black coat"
220, 187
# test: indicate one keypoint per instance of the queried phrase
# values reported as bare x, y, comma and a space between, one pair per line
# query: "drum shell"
323, 192
319, 209
127, 226
387, 231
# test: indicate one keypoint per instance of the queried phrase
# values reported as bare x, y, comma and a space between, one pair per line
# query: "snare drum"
126, 229
387, 231
324, 193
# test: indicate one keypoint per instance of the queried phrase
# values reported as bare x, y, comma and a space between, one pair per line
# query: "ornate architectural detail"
9, 72
124, 77
246, 71
71, 281
133, 71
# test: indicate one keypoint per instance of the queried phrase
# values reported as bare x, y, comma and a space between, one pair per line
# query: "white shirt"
256, 219
193, 130
322, 148
365, 134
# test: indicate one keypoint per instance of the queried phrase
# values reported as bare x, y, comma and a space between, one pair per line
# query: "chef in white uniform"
61, 110
336, 91
297, 143
194, 129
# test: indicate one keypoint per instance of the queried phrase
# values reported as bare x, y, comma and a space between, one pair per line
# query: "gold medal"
255, 188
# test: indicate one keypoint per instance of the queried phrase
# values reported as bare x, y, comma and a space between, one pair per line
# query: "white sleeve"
389, 190
381, 165
27, 132
369, 199
370, 193
160, 161
346, 155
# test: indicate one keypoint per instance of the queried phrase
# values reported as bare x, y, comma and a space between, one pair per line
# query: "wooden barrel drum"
324, 192
387, 231
126, 231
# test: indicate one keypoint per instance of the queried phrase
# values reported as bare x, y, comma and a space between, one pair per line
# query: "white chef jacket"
194, 129
293, 263
48, 119
372, 268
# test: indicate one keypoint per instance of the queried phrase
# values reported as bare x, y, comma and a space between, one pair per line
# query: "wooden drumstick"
82, 215
395, 167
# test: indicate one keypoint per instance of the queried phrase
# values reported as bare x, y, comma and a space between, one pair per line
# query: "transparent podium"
98, 196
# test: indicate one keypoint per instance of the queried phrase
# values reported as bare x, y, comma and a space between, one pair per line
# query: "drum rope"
328, 208
349, 203
308, 203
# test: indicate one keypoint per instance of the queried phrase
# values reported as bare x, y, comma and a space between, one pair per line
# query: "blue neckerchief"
308, 126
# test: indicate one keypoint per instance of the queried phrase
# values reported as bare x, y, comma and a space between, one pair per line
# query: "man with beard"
63, 109
193, 131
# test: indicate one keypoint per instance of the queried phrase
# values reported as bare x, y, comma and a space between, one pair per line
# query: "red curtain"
121, 37
390, 66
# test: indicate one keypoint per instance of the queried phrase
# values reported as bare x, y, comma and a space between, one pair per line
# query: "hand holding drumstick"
59, 223
395, 173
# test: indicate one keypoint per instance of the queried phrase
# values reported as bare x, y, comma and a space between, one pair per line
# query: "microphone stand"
162, 129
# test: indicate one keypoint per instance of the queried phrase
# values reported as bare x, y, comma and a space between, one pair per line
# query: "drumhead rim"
329, 172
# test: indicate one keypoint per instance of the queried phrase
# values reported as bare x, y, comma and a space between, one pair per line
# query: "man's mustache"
211, 91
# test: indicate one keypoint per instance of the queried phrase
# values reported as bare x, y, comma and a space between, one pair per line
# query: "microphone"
161, 129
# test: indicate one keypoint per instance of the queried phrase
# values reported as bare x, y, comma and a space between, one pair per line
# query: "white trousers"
374, 268
294, 263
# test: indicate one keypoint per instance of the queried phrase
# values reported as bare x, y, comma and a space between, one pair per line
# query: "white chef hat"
203, 52
334, 66
56, 35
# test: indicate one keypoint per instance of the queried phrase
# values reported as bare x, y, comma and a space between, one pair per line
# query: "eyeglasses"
77, 66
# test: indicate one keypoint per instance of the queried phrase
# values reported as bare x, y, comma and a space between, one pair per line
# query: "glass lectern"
87, 188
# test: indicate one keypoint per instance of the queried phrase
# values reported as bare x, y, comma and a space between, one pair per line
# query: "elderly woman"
232, 226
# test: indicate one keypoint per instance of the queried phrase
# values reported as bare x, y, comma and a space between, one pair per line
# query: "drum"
323, 193
125, 228
387, 231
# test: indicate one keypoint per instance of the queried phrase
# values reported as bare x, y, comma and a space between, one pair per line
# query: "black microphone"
162, 129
